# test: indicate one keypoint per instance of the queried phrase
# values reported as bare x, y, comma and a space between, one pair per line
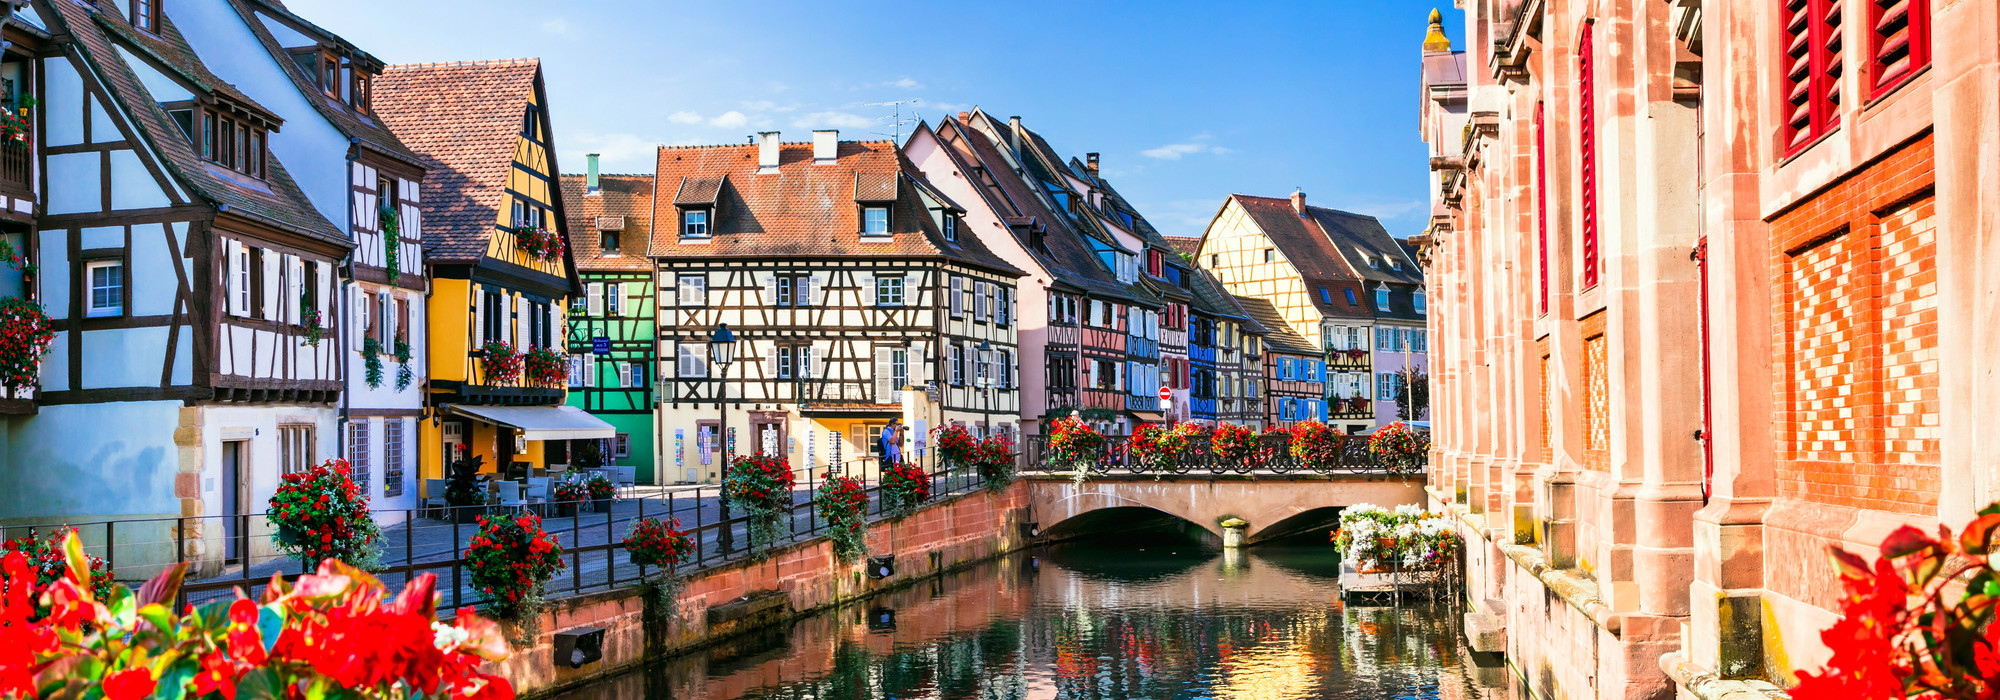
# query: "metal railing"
1272, 455
238, 552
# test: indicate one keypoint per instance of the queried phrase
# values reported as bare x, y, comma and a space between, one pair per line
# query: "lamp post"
722, 351
986, 380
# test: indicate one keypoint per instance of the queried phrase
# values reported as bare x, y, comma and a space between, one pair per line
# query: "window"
295, 447
889, 291
1899, 42
693, 290
364, 92
621, 445
1372, 262
576, 371
208, 135
693, 361
107, 288
956, 358
357, 452
1420, 341
950, 227
1004, 370
329, 74
1541, 210
694, 224
1395, 264
1350, 297
784, 362
1809, 73
899, 367
1385, 386
392, 457
1382, 298
146, 15
1417, 301
235, 145
635, 375
875, 221
790, 290
607, 243
1587, 149
1270, 255
1325, 297
1214, 260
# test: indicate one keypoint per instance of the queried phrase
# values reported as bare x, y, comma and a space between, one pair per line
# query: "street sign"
600, 346
1166, 394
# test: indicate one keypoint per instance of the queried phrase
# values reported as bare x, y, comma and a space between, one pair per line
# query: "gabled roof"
805, 208
621, 199
1307, 249
463, 119
364, 128
1355, 235
1211, 299
1023, 207
1278, 335
276, 201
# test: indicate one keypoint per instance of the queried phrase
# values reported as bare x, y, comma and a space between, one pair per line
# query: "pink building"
1712, 290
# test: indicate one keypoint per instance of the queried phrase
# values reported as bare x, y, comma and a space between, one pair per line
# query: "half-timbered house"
1078, 319
499, 259
852, 292
184, 268
611, 328
358, 175
1294, 371
1225, 355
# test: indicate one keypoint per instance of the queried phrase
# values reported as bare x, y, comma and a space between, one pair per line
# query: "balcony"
16, 170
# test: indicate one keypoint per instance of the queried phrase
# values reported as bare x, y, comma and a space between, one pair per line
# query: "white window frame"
868, 220
889, 290
694, 223
692, 359
692, 289
91, 308
621, 446
950, 227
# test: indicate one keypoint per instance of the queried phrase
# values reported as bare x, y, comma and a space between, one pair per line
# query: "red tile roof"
366, 128
1308, 250
1185, 245
620, 197
805, 209
463, 119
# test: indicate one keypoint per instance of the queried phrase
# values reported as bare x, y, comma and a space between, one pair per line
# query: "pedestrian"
892, 444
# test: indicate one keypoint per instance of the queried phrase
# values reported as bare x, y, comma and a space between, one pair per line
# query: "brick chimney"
1090, 163
767, 152
1299, 201
1014, 134
590, 188
826, 146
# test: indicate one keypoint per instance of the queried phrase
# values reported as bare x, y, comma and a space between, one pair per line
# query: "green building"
611, 325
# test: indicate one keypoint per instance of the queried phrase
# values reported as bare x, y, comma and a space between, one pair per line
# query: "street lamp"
986, 380
722, 350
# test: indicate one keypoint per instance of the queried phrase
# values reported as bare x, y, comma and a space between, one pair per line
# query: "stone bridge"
1273, 504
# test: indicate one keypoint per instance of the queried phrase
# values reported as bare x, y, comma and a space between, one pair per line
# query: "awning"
542, 422
1148, 416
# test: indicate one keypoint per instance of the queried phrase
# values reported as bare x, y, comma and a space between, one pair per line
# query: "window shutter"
590, 370
1587, 149
979, 301
270, 284
815, 289
386, 325
1899, 42
624, 374
866, 282
323, 295
770, 362
957, 304
1013, 311
357, 317
883, 390
918, 369
593, 299
1013, 370
770, 282
478, 317
818, 361
913, 289
295, 278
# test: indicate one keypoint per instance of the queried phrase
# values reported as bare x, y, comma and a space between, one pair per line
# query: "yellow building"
499, 264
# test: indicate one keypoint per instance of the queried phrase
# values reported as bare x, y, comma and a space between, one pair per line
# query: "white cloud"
1173, 151
730, 120
684, 118
769, 106
907, 84
555, 25
837, 120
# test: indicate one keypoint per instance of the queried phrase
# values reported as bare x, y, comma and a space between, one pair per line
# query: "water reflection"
1127, 619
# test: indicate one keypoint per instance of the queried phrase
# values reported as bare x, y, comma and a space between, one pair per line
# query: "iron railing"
1272, 455
230, 553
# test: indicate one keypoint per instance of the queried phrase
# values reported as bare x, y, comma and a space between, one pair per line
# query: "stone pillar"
187, 488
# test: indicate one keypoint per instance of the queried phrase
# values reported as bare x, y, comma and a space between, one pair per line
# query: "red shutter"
1586, 96
1899, 42
1811, 71
1542, 203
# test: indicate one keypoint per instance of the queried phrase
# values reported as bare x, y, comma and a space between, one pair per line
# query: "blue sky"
1187, 101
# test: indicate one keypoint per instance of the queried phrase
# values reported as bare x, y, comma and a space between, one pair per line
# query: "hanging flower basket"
321, 514
1316, 445
25, 335
954, 445
509, 560
539, 243
1398, 448
762, 486
905, 488
545, 368
1233, 444
844, 504
503, 365
16, 130
655, 543
1074, 444
996, 461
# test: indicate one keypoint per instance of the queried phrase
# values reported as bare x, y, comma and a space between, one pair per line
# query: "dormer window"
146, 15
329, 76
233, 144
950, 227
1395, 264
1382, 298
608, 243
694, 224
875, 221
1372, 262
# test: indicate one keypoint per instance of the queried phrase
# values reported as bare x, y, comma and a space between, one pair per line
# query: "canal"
1137, 615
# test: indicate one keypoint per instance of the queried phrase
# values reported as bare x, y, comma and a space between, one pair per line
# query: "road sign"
1166, 394
600, 346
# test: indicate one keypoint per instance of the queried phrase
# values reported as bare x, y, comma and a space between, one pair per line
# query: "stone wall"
793, 581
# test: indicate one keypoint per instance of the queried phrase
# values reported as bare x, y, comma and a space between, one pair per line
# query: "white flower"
1409, 510
448, 637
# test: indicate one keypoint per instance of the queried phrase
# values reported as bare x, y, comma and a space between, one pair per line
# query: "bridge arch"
1263, 501
1116, 519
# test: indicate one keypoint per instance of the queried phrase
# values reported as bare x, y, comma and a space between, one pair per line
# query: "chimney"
1014, 134
1090, 163
826, 146
1299, 201
767, 152
590, 179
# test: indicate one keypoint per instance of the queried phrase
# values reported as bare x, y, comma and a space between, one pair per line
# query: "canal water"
1127, 617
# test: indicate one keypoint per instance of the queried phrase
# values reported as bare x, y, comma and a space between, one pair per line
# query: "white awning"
542, 422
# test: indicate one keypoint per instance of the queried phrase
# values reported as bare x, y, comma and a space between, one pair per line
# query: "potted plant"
568, 493
461, 490
25, 335
539, 243
762, 486
544, 368
996, 461
844, 504
905, 488
1398, 448
954, 445
1074, 444
654, 543
46, 555
1315, 445
321, 514
503, 364
601, 490
509, 560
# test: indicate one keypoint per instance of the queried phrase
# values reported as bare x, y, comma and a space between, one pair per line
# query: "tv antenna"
897, 122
